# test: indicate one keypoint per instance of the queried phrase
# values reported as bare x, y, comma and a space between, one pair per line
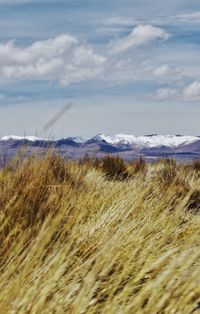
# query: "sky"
126, 66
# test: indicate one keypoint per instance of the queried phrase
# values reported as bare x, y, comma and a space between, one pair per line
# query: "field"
99, 237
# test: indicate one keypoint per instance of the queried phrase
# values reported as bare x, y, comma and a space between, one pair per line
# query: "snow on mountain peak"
20, 138
78, 139
146, 140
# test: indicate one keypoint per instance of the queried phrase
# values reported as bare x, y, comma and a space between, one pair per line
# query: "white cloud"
189, 93
162, 70
63, 58
166, 72
193, 18
133, 68
163, 94
192, 91
68, 60
140, 35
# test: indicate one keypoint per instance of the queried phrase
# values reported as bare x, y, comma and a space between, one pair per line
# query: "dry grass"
72, 241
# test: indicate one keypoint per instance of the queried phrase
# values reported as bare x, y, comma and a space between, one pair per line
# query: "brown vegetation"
99, 236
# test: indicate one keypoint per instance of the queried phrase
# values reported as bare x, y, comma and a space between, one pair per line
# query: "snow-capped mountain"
126, 146
146, 141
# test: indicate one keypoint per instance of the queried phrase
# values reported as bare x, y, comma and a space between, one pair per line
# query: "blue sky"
127, 66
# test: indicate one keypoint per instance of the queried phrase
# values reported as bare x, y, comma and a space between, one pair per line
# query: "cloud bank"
67, 59
64, 59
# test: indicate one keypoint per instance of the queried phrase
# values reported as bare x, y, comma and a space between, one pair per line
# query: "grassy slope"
72, 241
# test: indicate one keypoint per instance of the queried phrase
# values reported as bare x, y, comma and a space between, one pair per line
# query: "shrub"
114, 168
138, 166
196, 165
168, 172
84, 159
194, 202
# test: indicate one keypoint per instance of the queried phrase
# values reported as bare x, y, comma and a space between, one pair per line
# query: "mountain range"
128, 147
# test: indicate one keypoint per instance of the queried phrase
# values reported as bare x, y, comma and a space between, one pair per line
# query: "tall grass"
74, 239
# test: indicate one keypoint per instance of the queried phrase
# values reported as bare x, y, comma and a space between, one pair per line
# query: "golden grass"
74, 241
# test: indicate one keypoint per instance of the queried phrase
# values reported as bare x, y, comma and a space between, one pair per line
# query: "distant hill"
128, 147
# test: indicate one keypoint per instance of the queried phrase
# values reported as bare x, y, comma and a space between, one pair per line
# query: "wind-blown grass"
75, 240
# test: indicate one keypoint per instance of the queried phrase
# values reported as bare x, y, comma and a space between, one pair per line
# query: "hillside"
128, 147
99, 236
